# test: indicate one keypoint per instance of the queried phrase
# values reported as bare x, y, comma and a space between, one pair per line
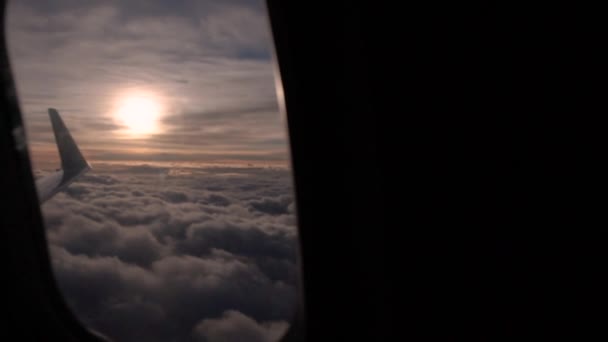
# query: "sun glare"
139, 113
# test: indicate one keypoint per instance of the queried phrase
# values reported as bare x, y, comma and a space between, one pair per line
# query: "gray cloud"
272, 206
233, 326
216, 199
174, 196
206, 269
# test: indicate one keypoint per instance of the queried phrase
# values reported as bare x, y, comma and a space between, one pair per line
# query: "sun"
139, 113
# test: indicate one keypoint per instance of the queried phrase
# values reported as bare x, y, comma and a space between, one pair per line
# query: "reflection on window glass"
183, 228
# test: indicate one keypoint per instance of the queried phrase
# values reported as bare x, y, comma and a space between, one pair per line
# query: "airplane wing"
73, 164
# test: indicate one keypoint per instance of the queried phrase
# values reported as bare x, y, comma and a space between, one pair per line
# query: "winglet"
72, 161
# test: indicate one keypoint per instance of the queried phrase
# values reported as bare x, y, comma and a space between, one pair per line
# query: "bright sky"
153, 81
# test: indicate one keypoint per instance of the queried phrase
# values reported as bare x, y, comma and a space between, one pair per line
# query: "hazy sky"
204, 69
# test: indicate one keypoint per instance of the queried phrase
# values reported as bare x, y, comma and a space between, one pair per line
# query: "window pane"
183, 229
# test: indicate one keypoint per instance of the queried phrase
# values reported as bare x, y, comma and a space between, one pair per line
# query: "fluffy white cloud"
136, 261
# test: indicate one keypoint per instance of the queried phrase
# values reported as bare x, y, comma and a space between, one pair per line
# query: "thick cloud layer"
146, 253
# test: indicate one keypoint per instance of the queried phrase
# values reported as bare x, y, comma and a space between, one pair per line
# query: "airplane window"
161, 164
